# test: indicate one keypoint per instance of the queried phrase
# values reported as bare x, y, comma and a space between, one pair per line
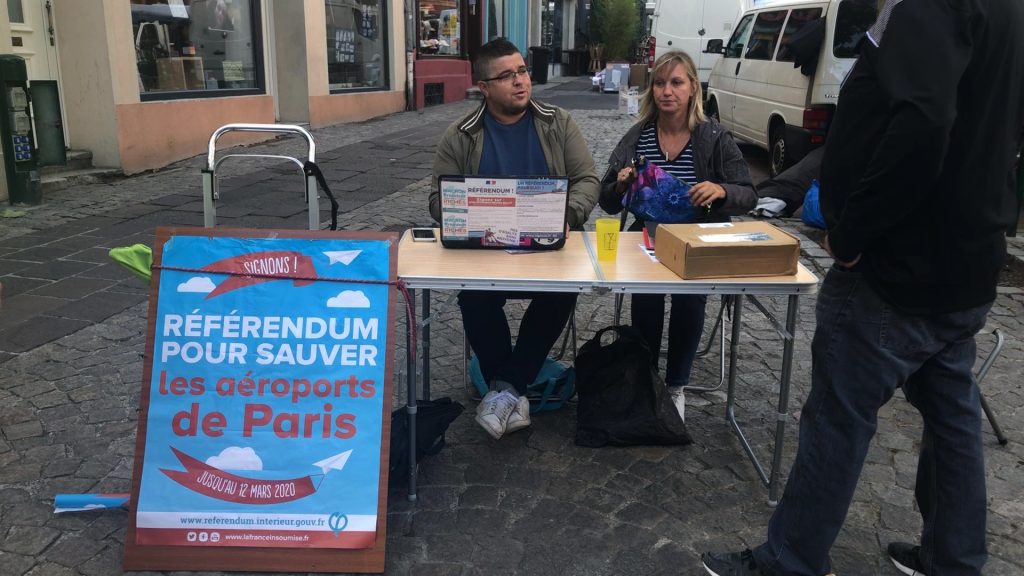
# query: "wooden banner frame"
259, 559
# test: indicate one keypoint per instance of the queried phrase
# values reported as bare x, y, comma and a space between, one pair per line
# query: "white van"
687, 25
756, 92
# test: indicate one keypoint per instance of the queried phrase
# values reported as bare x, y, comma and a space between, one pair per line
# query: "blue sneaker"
731, 564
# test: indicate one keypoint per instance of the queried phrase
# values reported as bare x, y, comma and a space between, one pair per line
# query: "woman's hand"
625, 177
704, 193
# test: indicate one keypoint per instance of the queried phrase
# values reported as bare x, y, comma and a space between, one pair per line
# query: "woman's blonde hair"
664, 64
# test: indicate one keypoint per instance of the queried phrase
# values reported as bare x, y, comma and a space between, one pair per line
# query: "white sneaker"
494, 410
679, 399
520, 417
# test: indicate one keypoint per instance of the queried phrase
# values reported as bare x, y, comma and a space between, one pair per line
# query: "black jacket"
918, 174
716, 158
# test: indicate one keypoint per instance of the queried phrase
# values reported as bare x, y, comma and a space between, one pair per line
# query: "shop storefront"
357, 47
357, 69
446, 29
197, 49
144, 83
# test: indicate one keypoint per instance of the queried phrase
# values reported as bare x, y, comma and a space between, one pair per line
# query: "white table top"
574, 268
431, 265
633, 271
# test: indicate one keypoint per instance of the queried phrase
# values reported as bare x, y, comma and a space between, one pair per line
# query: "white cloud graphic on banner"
236, 458
349, 299
197, 284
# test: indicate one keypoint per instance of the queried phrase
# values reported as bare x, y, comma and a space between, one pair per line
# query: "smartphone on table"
423, 235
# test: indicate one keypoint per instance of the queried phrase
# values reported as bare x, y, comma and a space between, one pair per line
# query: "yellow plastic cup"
607, 238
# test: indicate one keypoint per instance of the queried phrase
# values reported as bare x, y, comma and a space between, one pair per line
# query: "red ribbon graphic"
257, 267
213, 482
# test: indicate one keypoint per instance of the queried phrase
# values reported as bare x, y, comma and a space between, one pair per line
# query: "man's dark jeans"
488, 333
863, 350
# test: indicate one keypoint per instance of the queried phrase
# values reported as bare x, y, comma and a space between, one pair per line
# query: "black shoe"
907, 558
730, 563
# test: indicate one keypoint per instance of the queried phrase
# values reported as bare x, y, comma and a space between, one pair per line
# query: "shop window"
357, 56
189, 48
440, 26
15, 12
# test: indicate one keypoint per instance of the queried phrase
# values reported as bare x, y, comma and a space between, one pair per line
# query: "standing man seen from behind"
917, 190
513, 135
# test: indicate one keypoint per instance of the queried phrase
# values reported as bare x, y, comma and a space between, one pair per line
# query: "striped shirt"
682, 167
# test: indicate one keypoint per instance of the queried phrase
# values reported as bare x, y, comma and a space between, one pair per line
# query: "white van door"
675, 25
722, 85
687, 25
755, 89
718, 21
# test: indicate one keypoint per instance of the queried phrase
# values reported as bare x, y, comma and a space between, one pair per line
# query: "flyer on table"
267, 394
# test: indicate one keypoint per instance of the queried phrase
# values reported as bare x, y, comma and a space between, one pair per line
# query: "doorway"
34, 38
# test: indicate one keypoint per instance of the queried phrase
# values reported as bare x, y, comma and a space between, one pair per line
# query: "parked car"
756, 92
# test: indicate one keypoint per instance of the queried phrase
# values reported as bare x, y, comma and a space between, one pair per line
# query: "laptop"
506, 212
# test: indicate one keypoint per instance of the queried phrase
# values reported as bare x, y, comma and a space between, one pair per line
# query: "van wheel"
777, 161
711, 110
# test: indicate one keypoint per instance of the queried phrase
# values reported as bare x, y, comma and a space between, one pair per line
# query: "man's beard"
514, 109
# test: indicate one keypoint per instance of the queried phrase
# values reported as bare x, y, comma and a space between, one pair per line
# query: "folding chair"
725, 304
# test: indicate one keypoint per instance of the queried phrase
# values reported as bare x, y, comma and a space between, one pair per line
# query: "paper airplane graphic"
336, 462
344, 256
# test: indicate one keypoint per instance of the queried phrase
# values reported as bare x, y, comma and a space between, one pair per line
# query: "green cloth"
137, 259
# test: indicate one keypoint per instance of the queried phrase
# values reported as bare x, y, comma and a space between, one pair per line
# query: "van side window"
797, 20
852, 20
765, 35
734, 49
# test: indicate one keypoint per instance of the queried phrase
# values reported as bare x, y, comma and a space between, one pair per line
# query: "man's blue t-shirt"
512, 149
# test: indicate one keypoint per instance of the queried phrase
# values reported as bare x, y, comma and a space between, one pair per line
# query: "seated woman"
673, 133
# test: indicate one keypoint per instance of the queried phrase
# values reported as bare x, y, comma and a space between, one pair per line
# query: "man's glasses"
508, 75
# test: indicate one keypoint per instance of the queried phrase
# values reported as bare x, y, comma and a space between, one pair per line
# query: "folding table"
575, 268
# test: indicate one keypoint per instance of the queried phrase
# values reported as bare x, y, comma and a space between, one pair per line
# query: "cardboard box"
638, 76
726, 250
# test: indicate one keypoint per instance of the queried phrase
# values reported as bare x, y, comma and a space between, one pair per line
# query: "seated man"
512, 134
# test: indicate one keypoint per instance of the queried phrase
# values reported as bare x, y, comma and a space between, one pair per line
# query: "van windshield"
852, 21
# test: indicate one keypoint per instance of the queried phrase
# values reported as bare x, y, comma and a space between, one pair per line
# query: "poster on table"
267, 382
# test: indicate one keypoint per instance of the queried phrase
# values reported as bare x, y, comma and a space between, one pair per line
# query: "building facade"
144, 83
448, 33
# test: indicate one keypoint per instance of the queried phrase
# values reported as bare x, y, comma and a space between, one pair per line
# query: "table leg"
425, 350
730, 412
737, 310
410, 396
783, 407
770, 478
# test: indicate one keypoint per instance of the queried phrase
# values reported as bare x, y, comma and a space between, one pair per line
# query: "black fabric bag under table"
623, 400
432, 420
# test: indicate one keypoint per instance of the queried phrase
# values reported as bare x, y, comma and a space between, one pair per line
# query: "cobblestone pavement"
72, 338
